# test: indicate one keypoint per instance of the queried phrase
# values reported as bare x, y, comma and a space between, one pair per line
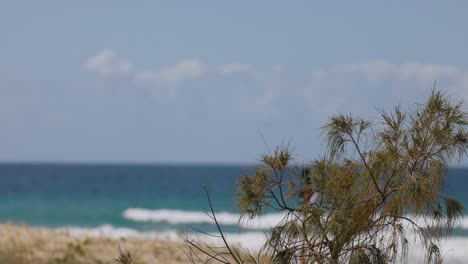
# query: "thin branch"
218, 226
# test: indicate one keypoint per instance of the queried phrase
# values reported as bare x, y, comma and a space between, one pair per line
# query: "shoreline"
21, 244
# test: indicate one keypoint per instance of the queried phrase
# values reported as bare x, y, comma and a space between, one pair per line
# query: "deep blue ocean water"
140, 198
56, 195
88, 195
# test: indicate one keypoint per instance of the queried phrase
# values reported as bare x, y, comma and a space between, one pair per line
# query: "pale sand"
21, 244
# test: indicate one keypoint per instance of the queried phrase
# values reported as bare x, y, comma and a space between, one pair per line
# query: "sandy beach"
22, 244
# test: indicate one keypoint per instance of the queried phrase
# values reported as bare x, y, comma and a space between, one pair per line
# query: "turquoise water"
137, 197
158, 201
92, 195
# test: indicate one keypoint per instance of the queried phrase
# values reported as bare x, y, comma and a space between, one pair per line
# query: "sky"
213, 81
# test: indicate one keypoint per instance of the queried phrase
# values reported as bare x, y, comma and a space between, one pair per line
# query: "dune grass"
21, 244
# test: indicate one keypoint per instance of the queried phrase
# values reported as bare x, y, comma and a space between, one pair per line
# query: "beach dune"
22, 244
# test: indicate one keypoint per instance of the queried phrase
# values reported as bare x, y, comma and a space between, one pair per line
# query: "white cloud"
379, 70
411, 76
272, 91
106, 64
360, 87
183, 70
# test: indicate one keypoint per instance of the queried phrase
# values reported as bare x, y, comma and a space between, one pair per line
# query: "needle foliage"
380, 182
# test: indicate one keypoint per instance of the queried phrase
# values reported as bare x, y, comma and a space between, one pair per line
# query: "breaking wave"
198, 217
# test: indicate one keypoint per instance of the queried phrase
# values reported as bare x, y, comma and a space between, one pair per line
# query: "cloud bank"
276, 92
196, 110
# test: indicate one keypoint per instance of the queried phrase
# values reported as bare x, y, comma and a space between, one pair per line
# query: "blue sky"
201, 81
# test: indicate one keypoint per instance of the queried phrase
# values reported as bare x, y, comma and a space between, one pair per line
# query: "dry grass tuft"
20, 244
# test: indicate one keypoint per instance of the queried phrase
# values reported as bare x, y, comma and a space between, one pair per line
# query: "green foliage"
377, 182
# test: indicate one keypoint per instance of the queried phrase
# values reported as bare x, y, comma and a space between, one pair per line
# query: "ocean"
150, 200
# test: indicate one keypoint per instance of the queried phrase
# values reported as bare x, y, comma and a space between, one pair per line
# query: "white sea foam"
197, 217
108, 230
459, 224
454, 249
266, 221
250, 240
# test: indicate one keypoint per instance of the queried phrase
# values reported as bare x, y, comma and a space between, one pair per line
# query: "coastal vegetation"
378, 188
21, 244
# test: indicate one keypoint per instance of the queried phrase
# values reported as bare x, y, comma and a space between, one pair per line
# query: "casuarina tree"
378, 188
